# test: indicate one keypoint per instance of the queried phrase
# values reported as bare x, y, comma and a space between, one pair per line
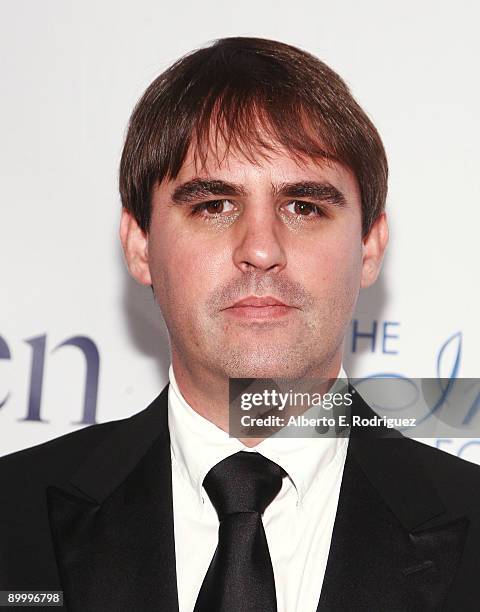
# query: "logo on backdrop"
447, 360
39, 355
383, 337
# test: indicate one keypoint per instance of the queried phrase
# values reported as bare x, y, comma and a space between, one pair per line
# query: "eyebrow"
197, 189
321, 191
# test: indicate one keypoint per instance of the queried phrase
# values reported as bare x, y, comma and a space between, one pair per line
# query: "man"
253, 190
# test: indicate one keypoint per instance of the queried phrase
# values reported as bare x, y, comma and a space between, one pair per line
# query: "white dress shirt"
298, 523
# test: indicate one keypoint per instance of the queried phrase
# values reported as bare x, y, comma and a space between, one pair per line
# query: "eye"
304, 209
213, 207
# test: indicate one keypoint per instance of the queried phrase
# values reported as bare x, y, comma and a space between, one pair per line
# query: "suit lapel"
112, 523
394, 544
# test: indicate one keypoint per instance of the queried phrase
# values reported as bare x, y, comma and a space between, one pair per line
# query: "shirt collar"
197, 445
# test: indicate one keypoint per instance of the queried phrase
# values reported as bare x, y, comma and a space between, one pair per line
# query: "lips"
253, 307
258, 302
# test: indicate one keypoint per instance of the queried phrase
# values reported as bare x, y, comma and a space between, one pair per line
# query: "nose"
258, 243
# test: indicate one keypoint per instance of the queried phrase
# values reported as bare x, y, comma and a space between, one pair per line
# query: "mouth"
264, 307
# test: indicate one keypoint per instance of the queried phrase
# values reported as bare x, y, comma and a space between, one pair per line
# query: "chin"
249, 367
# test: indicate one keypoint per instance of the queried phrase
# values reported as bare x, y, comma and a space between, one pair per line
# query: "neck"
207, 391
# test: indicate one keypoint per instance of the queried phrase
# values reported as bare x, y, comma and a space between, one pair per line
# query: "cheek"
183, 267
334, 263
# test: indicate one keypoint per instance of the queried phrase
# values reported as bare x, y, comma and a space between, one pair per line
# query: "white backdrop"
71, 72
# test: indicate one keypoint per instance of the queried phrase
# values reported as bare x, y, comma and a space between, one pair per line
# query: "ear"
373, 249
135, 247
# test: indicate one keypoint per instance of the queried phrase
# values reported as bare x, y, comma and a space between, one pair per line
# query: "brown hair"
241, 90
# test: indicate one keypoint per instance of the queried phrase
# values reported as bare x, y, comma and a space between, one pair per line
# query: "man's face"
235, 230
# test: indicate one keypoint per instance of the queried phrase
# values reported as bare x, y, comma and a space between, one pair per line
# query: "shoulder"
51, 461
455, 479
29, 471
24, 478
394, 461
443, 464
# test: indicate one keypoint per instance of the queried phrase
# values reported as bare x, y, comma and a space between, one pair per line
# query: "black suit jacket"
90, 513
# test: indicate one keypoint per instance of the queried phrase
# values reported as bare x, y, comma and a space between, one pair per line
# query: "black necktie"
240, 575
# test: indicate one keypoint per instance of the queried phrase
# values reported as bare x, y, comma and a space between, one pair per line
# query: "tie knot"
243, 482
